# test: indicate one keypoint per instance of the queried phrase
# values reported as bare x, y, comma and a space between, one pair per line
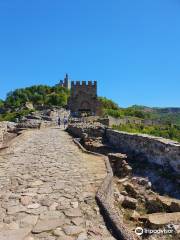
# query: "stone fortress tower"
83, 97
65, 83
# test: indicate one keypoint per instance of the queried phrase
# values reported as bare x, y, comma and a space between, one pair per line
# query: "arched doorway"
85, 107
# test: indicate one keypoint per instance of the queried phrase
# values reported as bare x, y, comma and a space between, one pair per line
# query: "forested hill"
169, 114
14, 106
40, 94
164, 115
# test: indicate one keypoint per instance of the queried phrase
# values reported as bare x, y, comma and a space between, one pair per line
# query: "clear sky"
131, 47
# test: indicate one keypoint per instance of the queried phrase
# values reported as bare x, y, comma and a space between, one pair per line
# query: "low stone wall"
91, 129
122, 121
132, 120
156, 150
8, 130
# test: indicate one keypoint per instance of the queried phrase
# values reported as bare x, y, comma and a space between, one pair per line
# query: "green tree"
1, 103
108, 104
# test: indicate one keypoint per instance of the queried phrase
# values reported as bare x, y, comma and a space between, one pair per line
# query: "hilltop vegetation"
165, 131
40, 95
112, 109
165, 115
37, 95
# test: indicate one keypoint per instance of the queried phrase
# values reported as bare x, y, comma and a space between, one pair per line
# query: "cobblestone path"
47, 189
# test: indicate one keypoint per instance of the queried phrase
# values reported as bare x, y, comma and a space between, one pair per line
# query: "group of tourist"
63, 121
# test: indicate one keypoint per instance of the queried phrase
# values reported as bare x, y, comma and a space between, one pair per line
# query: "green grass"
165, 131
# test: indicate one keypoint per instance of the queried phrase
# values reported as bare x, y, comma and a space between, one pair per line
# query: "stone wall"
121, 121
81, 130
156, 150
3, 131
132, 120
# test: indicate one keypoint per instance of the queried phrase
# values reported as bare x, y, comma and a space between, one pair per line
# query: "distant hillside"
165, 115
157, 109
165, 122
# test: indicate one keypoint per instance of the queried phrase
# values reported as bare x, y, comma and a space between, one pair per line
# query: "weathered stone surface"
44, 176
66, 238
36, 211
135, 215
154, 149
170, 204
153, 206
19, 234
158, 203
90, 129
47, 225
77, 221
130, 189
26, 200
46, 202
161, 219
3, 131
74, 204
29, 220
53, 207
124, 193
29, 238
73, 230
82, 236
36, 183
58, 232
129, 203
126, 170
59, 185
119, 165
16, 209
51, 215
13, 226
96, 144
33, 206
74, 212
45, 190
117, 157
142, 181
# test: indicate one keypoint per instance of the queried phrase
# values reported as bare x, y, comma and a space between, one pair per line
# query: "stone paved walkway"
47, 189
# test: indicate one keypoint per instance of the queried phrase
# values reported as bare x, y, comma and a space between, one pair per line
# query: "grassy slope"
169, 120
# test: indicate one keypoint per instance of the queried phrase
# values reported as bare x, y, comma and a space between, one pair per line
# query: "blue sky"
131, 47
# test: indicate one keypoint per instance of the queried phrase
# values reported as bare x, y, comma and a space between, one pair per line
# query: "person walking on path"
59, 121
65, 122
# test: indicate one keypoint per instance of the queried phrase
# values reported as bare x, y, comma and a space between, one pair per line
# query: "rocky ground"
47, 189
139, 205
